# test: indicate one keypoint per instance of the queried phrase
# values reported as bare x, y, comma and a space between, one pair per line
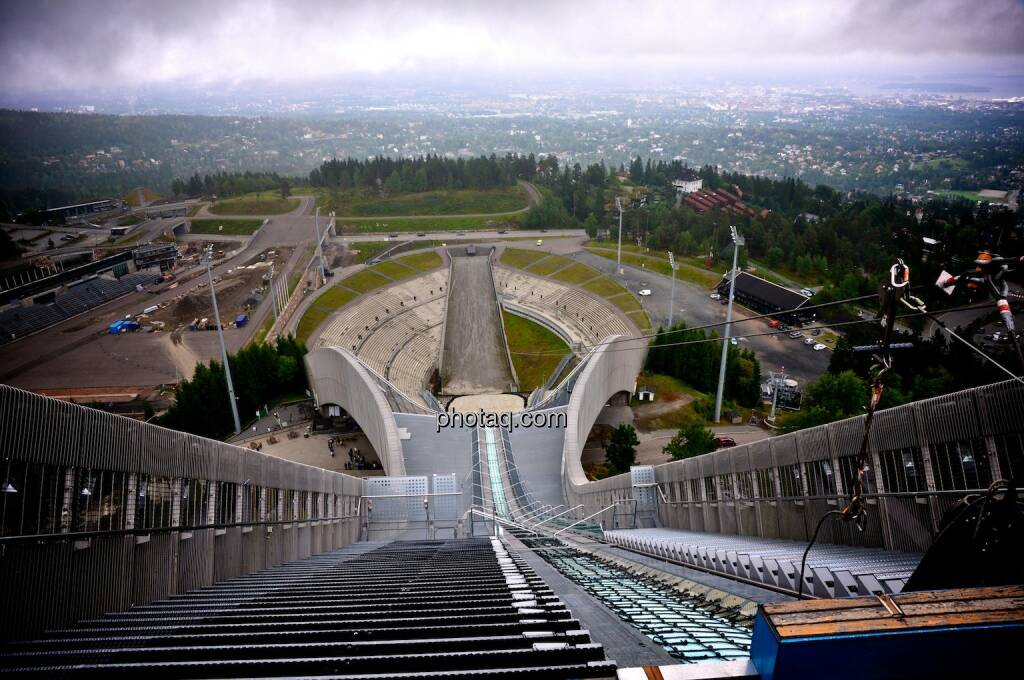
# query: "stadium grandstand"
484, 549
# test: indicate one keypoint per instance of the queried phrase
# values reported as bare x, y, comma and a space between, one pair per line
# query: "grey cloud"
49, 44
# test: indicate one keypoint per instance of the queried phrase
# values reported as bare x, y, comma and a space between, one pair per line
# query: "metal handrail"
81, 535
558, 515
586, 518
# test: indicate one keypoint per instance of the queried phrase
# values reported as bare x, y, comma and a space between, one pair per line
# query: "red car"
724, 442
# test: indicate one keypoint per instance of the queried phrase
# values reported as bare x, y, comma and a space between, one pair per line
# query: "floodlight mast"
618, 257
672, 298
220, 334
737, 241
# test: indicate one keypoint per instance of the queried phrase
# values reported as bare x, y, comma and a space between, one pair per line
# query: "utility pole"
776, 380
672, 298
618, 258
737, 241
319, 249
220, 334
270, 292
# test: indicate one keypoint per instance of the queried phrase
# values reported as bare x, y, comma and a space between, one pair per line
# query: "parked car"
818, 347
421, 233
809, 341
715, 296
774, 323
815, 332
644, 292
540, 242
723, 442
393, 235
733, 341
795, 334
807, 291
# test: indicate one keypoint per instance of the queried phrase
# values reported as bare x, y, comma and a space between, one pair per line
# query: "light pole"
618, 257
737, 241
672, 298
220, 334
319, 249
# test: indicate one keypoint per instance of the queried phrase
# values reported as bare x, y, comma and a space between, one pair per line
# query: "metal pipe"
566, 512
586, 518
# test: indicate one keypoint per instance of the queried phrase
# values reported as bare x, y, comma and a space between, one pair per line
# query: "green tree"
286, 188
692, 439
621, 452
831, 397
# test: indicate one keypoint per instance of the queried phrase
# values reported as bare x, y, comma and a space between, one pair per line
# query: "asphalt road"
693, 306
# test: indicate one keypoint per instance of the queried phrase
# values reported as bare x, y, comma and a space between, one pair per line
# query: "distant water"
970, 87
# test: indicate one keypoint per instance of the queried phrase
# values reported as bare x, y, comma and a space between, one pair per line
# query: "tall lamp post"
220, 334
618, 257
672, 297
737, 241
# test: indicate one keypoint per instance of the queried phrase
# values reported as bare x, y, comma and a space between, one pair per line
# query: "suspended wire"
750, 335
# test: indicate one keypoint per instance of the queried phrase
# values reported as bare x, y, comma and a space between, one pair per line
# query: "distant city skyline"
126, 46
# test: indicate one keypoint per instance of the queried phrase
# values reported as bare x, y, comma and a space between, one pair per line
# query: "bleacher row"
395, 331
18, 321
584, 317
831, 570
427, 609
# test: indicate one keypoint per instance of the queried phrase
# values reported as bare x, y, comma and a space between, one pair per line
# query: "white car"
807, 292
808, 341
540, 242
715, 296
644, 292
734, 341
818, 347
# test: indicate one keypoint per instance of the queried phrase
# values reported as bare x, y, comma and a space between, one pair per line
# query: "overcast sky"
50, 45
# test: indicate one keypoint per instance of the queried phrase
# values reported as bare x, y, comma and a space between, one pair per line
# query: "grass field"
230, 227
549, 265
576, 274
965, 195
370, 225
353, 203
368, 249
526, 336
422, 262
263, 203
330, 301
393, 270
699, 276
365, 281
520, 259
604, 287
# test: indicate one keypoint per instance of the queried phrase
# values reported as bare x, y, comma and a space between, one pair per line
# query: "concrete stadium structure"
132, 519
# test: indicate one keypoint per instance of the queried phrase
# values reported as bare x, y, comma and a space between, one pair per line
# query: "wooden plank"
950, 609
916, 623
956, 594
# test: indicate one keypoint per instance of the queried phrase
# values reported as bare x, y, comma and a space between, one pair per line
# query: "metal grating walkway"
465, 608
831, 570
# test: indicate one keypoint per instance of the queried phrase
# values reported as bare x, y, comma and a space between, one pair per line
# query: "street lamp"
618, 257
220, 334
672, 298
737, 241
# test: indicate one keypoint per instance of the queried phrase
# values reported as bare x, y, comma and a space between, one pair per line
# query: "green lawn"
393, 270
641, 320
549, 265
422, 262
371, 225
526, 336
230, 227
368, 249
358, 203
519, 258
365, 281
604, 287
330, 301
263, 203
959, 193
699, 276
576, 274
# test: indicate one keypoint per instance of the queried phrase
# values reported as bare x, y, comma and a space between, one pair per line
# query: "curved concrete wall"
611, 368
338, 377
